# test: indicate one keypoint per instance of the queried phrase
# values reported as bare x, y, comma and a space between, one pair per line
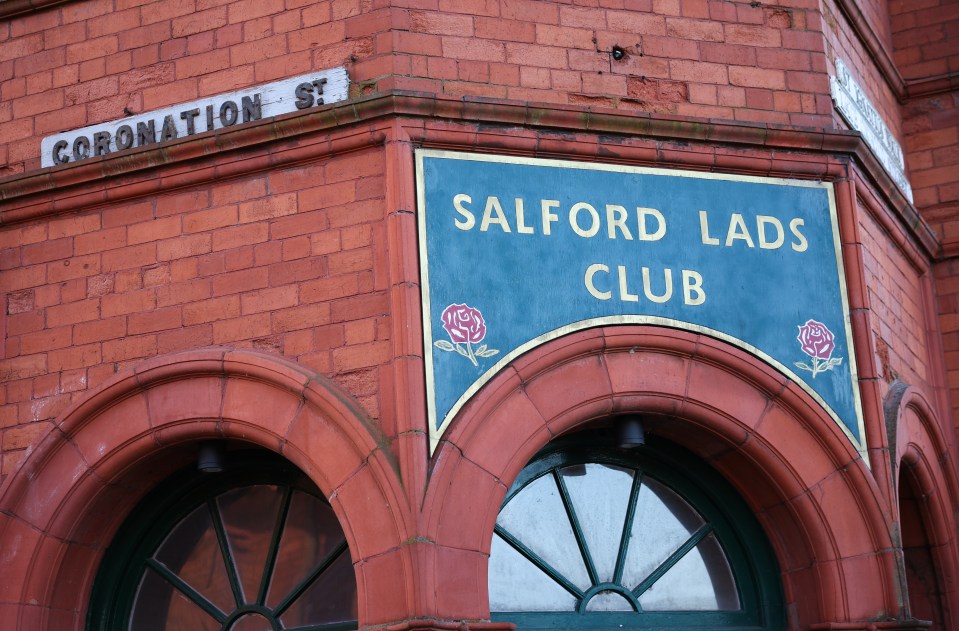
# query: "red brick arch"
63, 506
920, 447
806, 483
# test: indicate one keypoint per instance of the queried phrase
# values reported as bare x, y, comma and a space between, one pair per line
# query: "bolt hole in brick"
779, 18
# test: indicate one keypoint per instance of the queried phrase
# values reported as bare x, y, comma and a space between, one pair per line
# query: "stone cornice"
431, 624
301, 136
13, 8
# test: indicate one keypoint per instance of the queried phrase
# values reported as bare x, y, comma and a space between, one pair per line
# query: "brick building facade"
259, 287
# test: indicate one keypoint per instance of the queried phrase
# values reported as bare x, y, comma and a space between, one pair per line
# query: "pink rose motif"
465, 326
817, 341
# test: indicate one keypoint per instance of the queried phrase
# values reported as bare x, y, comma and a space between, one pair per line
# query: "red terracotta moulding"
922, 88
846, 209
430, 624
211, 148
12, 8
924, 241
893, 625
92, 469
541, 376
734, 161
414, 104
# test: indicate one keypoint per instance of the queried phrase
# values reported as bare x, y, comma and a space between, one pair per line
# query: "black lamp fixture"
630, 432
211, 456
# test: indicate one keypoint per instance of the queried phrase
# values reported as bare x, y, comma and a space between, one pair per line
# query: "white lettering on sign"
197, 117
851, 101
630, 222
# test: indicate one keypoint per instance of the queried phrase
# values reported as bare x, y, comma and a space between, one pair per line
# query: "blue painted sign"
515, 252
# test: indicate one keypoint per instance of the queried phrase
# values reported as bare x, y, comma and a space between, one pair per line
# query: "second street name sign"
515, 252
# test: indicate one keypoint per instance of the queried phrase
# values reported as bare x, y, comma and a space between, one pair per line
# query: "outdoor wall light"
211, 456
630, 432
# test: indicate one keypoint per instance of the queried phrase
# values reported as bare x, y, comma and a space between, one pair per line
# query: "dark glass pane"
249, 517
191, 552
251, 622
161, 607
331, 598
309, 536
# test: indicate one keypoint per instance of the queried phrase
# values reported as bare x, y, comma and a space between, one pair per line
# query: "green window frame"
248, 597
757, 602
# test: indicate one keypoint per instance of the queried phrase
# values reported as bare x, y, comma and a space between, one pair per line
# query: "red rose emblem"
464, 324
816, 339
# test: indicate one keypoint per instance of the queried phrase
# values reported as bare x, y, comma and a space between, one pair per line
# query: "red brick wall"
925, 38
897, 308
926, 45
735, 60
947, 289
876, 13
85, 62
292, 262
295, 260
931, 145
89, 61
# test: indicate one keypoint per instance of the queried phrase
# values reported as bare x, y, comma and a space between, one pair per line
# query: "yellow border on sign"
436, 433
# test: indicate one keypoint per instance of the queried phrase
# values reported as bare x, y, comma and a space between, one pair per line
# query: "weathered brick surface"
283, 263
926, 45
925, 42
947, 286
89, 61
896, 309
291, 260
924, 37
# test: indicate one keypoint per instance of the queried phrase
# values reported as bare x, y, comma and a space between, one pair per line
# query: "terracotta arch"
919, 447
806, 483
62, 507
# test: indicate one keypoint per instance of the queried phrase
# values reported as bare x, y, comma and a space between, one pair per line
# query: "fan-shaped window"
259, 550
650, 538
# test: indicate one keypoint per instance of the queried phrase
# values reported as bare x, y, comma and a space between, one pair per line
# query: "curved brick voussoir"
785, 455
106, 452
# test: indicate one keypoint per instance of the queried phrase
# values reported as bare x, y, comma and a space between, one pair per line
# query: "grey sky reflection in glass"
559, 545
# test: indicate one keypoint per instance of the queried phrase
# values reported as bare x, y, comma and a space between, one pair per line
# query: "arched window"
591, 536
253, 548
922, 574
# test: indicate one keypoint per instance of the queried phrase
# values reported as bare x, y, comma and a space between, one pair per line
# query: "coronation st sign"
216, 112
516, 252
